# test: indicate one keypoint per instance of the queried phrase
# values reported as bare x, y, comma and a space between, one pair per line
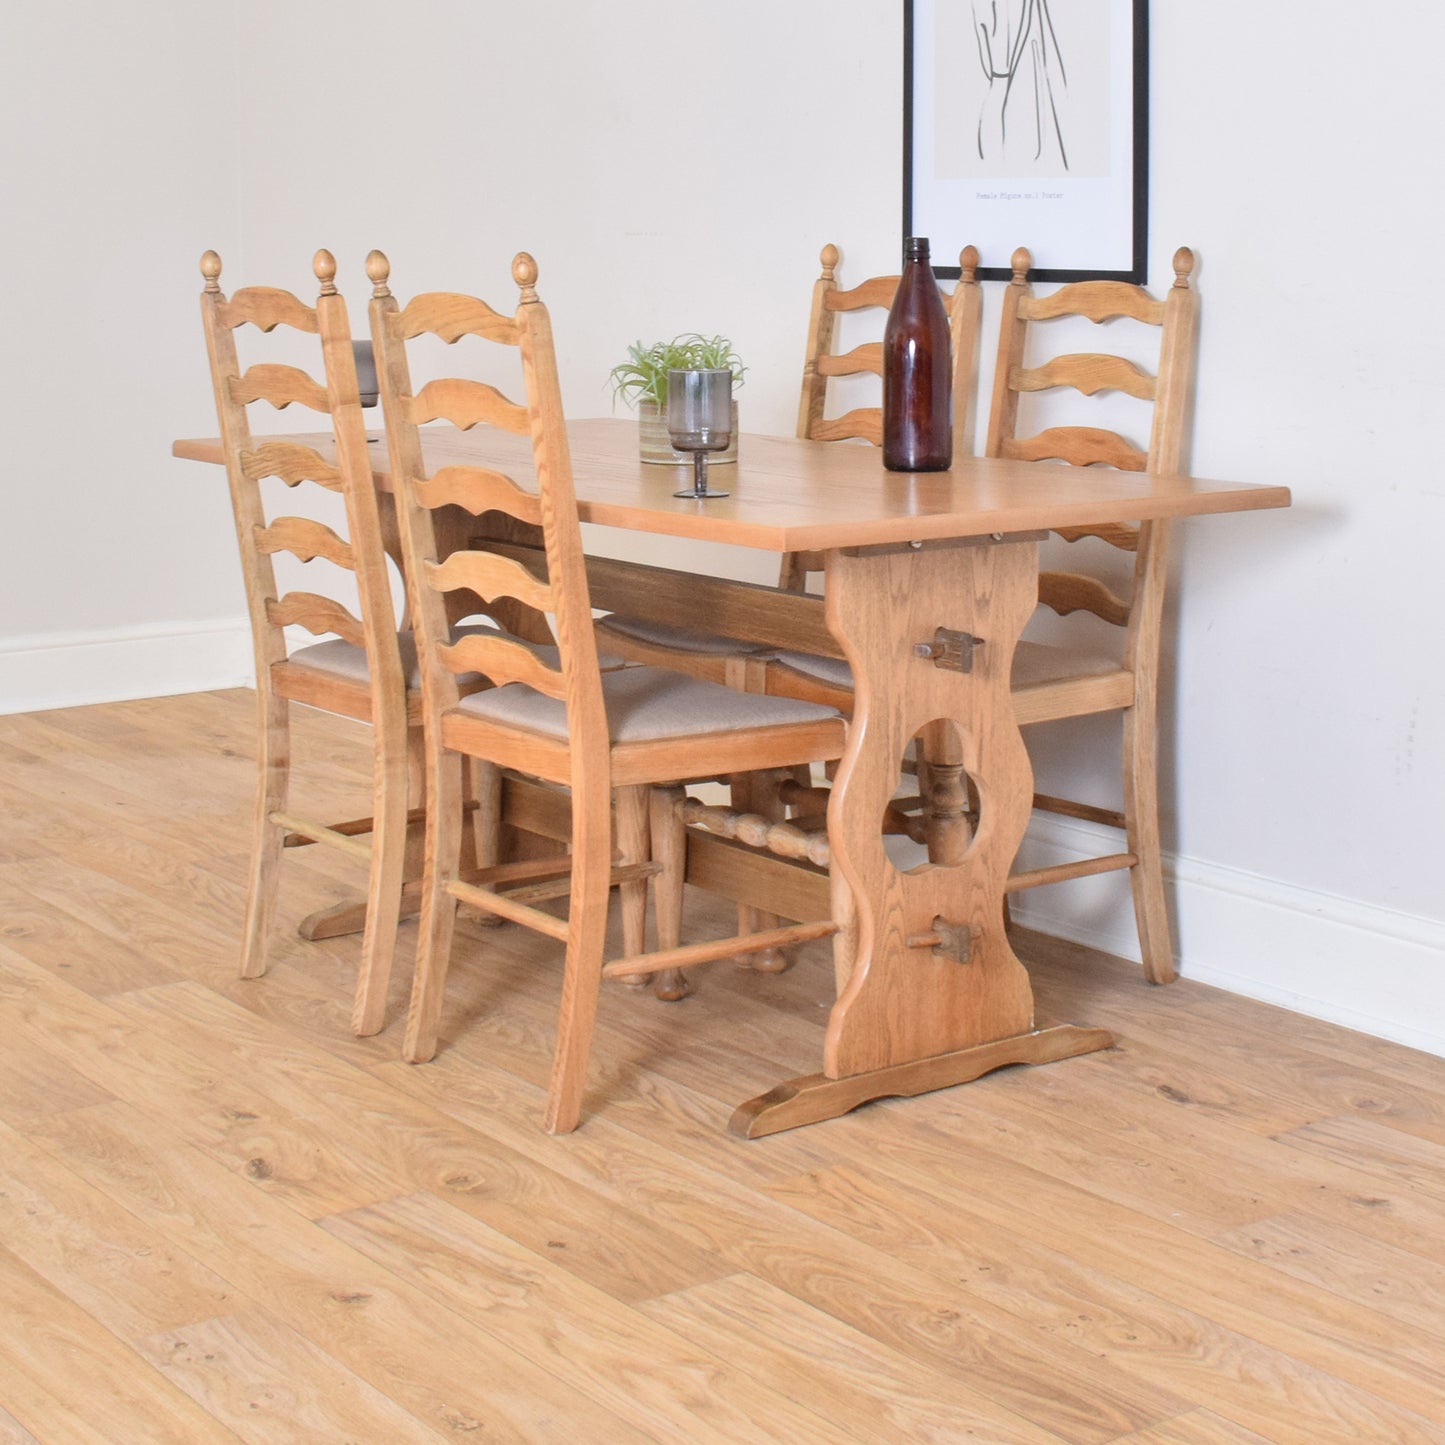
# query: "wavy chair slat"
280, 386
292, 463
865, 358
465, 403
490, 576
1082, 446
863, 422
1097, 301
267, 307
478, 490
503, 661
1088, 372
1066, 592
452, 316
876, 291
317, 614
307, 539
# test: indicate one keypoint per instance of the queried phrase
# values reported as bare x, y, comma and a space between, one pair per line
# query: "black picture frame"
1079, 228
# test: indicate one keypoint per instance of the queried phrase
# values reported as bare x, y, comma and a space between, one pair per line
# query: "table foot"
814, 1097
350, 917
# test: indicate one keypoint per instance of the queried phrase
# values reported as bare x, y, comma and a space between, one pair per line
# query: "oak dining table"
929, 991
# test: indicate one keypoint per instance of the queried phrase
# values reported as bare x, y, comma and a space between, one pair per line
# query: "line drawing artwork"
1027, 83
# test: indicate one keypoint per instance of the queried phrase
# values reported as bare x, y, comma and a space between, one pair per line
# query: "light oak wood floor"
224, 1218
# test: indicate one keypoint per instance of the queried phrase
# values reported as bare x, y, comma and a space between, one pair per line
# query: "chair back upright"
445, 587
824, 362
363, 552
1168, 391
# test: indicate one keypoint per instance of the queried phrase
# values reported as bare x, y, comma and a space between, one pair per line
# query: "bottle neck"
915, 248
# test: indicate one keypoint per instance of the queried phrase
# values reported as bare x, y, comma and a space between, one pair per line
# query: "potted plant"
641, 381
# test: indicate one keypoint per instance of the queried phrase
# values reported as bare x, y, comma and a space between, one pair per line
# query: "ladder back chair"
1055, 682
633, 735
359, 672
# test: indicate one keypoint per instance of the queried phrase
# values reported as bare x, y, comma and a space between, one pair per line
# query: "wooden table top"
792, 495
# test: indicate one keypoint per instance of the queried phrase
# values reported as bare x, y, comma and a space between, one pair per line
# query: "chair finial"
1183, 267
378, 270
829, 257
1022, 263
323, 263
211, 270
968, 264
524, 273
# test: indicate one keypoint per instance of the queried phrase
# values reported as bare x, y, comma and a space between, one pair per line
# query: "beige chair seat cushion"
645, 704
345, 659
679, 639
1035, 663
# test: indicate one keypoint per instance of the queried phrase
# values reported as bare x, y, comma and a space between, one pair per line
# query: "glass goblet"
700, 419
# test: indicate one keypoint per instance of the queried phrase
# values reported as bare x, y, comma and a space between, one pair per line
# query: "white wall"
1294, 150
117, 169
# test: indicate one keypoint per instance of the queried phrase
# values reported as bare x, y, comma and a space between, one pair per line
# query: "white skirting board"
74, 669
1357, 964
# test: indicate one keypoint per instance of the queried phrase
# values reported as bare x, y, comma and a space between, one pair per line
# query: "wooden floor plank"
861, 1387
646, 1373
130, 1278
1199, 1427
1330, 1341
429, 1361
264, 1380
390, 1142
12, 1432
35, 1081
54, 1351
1377, 1276
1106, 1311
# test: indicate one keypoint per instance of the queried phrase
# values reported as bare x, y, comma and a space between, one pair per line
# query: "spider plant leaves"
643, 376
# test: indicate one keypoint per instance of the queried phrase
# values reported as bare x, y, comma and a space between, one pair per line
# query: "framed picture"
1026, 123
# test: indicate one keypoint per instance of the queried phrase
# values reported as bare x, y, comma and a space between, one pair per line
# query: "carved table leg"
930, 990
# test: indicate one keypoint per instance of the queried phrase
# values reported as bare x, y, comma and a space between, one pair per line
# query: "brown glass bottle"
917, 371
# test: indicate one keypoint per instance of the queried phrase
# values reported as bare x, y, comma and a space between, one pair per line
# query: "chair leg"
383, 891
438, 906
273, 769
582, 970
758, 793
629, 807
482, 842
486, 789
669, 848
1141, 815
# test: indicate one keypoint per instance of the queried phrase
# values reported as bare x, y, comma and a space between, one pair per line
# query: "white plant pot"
656, 446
